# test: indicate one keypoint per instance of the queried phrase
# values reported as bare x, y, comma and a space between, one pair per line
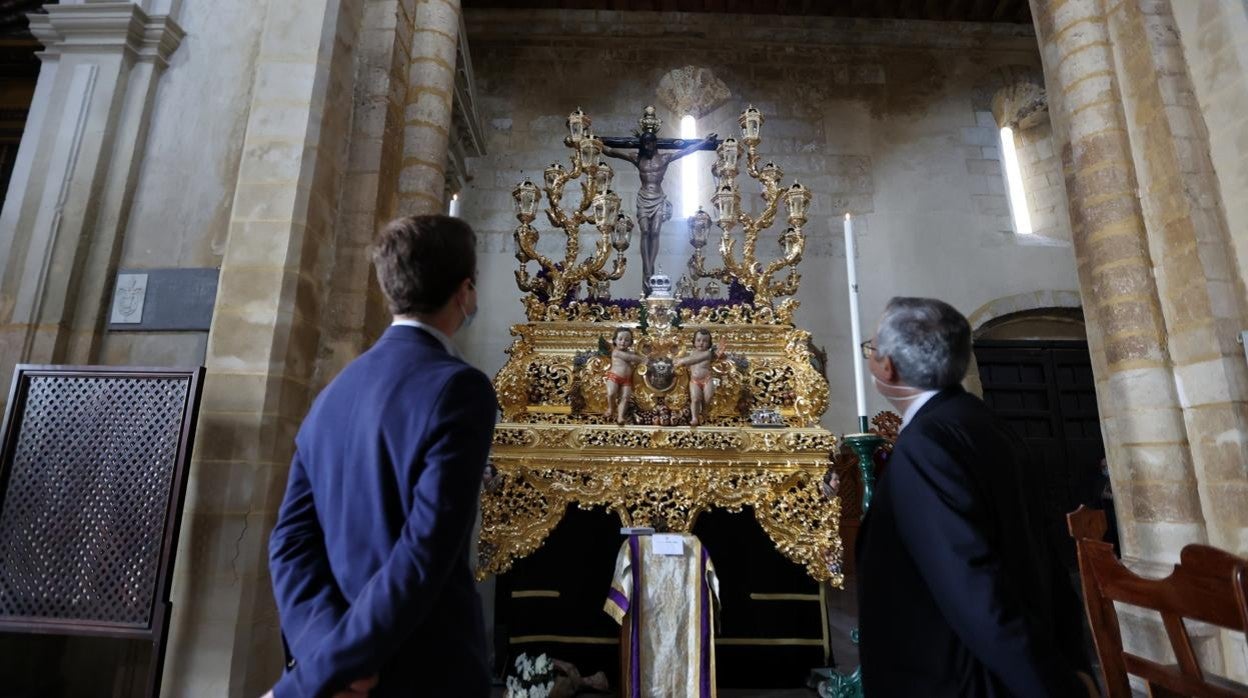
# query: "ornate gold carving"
527, 498
554, 447
514, 436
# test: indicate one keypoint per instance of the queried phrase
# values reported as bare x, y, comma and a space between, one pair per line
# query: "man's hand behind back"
357, 689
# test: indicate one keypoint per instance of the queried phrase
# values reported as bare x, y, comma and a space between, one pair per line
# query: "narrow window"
688, 170
1014, 181
454, 209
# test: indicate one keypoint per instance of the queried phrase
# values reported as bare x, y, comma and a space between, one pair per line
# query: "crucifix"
646, 151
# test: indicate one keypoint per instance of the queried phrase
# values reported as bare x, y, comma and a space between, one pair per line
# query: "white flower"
542, 665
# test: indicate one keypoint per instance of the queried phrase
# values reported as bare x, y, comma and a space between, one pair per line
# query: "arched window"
1014, 183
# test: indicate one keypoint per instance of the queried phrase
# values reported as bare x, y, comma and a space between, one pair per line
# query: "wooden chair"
1208, 585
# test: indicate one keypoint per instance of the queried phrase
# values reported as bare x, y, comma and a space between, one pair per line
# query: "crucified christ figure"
652, 205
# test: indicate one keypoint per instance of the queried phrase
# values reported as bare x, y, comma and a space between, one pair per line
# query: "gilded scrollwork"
514, 436
528, 497
696, 440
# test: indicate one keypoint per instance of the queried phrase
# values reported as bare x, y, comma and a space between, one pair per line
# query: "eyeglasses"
868, 349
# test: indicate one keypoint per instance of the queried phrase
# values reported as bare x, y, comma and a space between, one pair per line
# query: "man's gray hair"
928, 340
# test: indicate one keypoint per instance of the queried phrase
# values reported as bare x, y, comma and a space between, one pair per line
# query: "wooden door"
1045, 391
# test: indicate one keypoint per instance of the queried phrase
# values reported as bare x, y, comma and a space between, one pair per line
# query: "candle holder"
599, 207
767, 281
864, 445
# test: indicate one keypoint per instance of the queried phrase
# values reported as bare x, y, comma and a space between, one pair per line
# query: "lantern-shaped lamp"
553, 172
789, 240
526, 196
728, 152
727, 202
590, 149
622, 233
699, 225
712, 289
684, 287
578, 126
751, 121
602, 290
606, 206
797, 198
603, 175
771, 174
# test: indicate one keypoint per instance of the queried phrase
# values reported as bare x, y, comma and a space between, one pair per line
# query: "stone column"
431, 87
63, 220
1201, 298
356, 308
1142, 419
263, 346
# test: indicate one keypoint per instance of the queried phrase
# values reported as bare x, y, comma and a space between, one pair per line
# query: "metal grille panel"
86, 497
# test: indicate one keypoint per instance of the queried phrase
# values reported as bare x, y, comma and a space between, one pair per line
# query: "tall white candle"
851, 272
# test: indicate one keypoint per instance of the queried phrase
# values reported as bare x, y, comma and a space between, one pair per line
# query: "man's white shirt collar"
437, 334
916, 405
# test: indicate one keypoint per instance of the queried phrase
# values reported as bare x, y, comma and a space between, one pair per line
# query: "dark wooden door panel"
1046, 392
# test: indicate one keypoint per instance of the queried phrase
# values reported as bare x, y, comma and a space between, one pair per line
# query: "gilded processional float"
712, 398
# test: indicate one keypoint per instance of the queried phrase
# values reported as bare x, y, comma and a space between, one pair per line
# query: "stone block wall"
1214, 41
884, 119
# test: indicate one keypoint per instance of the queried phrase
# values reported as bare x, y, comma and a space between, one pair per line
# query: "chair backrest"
1208, 585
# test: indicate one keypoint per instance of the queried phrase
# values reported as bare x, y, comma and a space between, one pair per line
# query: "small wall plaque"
128, 299
163, 300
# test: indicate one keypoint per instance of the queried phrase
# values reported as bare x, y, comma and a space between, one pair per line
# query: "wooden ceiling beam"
1003, 9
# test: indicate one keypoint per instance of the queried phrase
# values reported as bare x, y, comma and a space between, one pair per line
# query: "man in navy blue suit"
369, 556
959, 594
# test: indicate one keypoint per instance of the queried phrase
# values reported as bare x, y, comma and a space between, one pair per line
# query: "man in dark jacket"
959, 593
369, 556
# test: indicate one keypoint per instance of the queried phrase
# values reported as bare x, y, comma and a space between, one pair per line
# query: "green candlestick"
864, 445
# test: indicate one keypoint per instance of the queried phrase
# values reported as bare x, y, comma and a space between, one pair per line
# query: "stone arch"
1015, 94
1007, 306
1022, 302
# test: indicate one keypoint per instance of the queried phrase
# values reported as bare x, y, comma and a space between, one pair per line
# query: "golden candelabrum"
599, 207
756, 276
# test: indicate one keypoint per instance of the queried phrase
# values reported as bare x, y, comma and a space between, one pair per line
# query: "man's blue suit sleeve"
401, 593
308, 599
941, 521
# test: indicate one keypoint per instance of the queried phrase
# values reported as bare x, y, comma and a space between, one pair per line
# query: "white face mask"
892, 391
468, 317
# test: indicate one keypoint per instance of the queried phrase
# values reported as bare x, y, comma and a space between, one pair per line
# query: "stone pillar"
263, 347
431, 87
356, 309
63, 220
1142, 418
1214, 37
1201, 297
